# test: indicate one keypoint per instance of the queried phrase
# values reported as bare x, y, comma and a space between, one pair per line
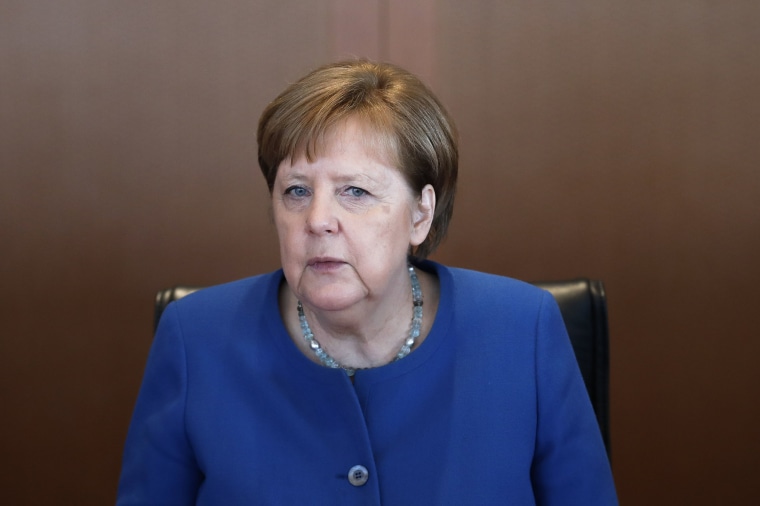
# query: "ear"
422, 215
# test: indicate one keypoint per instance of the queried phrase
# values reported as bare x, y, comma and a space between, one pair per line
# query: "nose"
321, 217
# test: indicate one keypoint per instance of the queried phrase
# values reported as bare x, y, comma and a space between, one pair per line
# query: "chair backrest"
583, 303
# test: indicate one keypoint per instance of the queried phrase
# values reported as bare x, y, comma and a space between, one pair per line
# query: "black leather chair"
583, 304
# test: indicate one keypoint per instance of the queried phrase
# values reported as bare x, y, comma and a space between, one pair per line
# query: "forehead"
350, 153
355, 135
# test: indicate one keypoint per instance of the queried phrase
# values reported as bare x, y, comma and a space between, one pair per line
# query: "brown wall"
613, 139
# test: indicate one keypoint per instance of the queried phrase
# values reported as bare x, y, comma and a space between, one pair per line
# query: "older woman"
361, 373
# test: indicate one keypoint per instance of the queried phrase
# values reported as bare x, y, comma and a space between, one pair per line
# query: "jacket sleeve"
158, 465
570, 463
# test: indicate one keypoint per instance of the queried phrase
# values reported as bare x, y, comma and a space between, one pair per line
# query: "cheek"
389, 233
286, 236
283, 222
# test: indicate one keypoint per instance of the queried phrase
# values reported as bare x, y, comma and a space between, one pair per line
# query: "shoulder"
231, 294
223, 305
475, 288
234, 290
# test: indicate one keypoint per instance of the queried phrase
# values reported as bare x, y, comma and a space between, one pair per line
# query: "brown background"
615, 139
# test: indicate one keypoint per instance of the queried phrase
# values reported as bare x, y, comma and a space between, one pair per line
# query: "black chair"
583, 304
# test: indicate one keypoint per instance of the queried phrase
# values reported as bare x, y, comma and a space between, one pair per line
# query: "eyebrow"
357, 177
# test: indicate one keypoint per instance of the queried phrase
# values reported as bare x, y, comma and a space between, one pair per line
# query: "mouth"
325, 264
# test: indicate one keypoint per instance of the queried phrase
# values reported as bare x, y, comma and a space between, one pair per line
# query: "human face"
345, 222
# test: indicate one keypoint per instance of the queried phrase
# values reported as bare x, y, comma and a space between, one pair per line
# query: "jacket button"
358, 476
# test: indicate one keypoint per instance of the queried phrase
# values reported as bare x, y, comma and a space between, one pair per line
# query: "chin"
332, 299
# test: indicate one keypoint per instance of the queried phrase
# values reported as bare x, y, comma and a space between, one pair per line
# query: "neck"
370, 334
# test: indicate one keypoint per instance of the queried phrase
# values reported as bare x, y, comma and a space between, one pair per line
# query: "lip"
325, 264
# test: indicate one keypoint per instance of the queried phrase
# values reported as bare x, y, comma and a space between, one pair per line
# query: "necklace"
406, 347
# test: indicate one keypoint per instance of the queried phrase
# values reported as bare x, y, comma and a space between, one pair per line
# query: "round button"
358, 476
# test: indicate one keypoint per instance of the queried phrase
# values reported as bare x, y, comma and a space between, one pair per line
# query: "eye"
355, 191
297, 191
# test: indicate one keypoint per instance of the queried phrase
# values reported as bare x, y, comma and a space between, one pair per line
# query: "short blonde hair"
394, 103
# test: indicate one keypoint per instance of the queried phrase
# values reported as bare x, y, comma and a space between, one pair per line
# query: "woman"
361, 373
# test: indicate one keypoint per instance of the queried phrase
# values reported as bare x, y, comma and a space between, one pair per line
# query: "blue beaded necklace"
406, 347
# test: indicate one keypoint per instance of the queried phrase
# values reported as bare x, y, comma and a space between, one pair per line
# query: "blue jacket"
490, 409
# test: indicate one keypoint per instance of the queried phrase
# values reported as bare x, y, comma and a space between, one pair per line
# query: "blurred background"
614, 139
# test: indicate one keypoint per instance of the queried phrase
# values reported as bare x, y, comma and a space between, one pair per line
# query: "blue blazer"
490, 409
